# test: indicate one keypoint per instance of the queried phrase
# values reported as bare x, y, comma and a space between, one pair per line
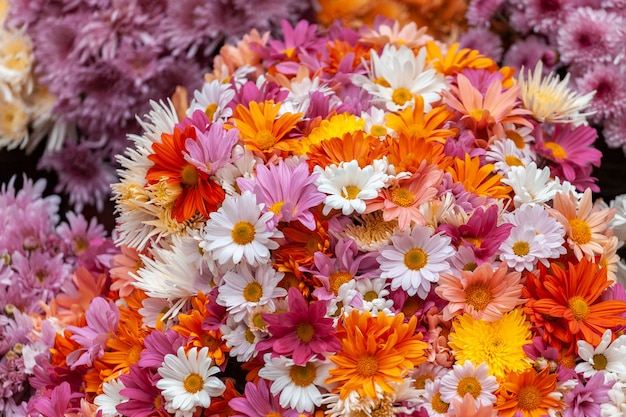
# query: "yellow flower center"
210, 111
438, 405
513, 161
521, 248
249, 336
599, 362
303, 376
402, 197
305, 332
478, 295
470, 266
581, 232
579, 308
337, 279
289, 52
476, 241
252, 292
415, 259
568, 361
265, 139
378, 130
420, 381
367, 366
469, 385
401, 95
383, 409
193, 383
258, 322
477, 114
557, 150
351, 192
529, 398
370, 295
243, 233
276, 207
189, 175
134, 354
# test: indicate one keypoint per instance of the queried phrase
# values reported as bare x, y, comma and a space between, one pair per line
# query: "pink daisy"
258, 401
302, 332
147, 401
484, 293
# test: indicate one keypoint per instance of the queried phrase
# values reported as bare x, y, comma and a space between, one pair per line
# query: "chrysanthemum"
550, 99
238, 231
110, 398
415, 259
375, 351
609, 357
469, 379
480, 38
587, 400
300, 386
188, 382
348, 186
498, 343
607, 80
485, 293
522, 249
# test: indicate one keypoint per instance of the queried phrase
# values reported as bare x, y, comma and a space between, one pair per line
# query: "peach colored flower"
484, 293
438, 351
124, 263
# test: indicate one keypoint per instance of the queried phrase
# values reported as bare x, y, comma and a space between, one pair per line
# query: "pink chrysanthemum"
608, 80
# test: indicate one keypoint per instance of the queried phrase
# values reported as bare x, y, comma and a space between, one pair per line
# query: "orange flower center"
193, 383
469, 385
521, 248
557, 150
415, 259
337, 279
134, 354
581, 232
252, 292
210, 111
568, 361
189, 175
351, 192
476, 241
477, 114
265, 139
438, 405
305, 332
513, 161
402, 197
367, 366
529, 398
158, 402
478, 295
274, 414
303, 376
401, 95
517, 138
210, 341
243, 233
410, 306
579, 308
599, 362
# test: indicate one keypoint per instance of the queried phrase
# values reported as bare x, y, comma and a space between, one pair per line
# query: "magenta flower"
56, 403
140, 385
158, 344
258, 401
302, 332
212, 149
585, 400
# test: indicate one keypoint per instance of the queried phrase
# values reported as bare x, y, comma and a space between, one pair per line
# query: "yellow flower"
498, 344
336, 127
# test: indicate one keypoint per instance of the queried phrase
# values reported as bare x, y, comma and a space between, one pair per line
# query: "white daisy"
413, 261
397, 75
237, 231
240, 338
243, 289
348, 186
298, 386
530, 184
213, 100
375, 122
187, 382
608, 357
550, 98
504, 154
110, 398
469, 379
243, 166
522, 249
152, 313
433, 403
374, 292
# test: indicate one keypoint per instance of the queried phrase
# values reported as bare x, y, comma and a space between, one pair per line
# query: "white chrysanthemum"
298, 386
504, 154
608, 357
348, 186
414, 260
530, 184
13, 124
213, 100
237, 231
240, 338
469, 379
397, 75
550, 99
243, 289
374, 292
187, 382
110, 398
522, 249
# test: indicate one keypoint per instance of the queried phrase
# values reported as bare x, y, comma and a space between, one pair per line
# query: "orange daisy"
375, 351
530, 393
567, 304
478, 180
415, 123
407, 153
262, 130
301, 244
196, 192
456, 60
586, 226
353, 146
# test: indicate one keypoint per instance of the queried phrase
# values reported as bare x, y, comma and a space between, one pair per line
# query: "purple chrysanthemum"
483, 40
585, 400
528, 51
480, 12
609, 82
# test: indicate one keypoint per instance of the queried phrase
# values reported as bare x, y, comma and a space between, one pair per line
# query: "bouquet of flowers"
43, 263
351, 223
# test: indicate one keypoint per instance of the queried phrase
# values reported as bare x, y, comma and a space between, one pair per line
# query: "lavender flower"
585, 400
